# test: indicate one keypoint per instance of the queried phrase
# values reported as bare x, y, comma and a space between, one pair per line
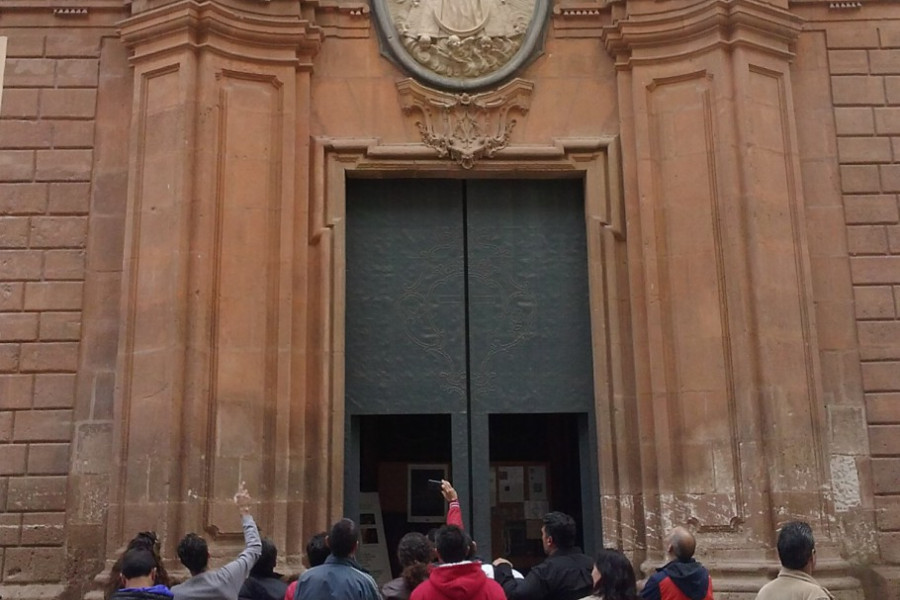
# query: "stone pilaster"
728, 380
215, 199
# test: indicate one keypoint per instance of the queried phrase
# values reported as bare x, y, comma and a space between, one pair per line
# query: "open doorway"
397, 454
535, 468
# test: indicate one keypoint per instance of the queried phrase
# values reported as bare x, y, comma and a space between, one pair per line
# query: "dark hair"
617, 581
413, 547
317, 550
343, 538
560, 527
452, 544
137, 563
193, 553
265, 564
145, 540
414, 552
795, 544
414, 574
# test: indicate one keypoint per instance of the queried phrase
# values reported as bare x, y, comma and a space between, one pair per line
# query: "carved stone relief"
462, 45
461, 38
462, 126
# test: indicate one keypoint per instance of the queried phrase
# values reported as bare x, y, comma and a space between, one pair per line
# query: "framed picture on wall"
425, 502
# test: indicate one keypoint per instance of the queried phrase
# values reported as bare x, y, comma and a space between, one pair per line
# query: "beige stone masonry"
172, 178
724, 274
3, 42
204, 367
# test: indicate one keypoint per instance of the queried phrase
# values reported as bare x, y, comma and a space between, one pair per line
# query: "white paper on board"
511, 484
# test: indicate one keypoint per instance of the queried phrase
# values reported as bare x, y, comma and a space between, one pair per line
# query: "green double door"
468, 343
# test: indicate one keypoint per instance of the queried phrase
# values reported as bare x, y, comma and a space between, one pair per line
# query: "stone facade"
171, 251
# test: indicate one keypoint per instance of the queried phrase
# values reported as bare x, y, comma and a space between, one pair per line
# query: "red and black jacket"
679, 580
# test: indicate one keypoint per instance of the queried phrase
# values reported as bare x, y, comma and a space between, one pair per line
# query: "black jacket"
263, 588
564, 575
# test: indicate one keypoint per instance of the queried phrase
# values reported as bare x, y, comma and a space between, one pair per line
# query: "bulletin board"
520, 497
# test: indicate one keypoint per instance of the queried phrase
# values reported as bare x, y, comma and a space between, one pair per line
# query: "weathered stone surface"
172, 241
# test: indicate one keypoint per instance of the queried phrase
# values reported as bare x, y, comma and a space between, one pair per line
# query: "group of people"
446, 568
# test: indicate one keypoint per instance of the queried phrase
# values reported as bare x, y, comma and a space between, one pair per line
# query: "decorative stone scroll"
465, 127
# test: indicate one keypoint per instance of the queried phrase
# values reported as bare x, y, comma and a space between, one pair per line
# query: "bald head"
681, 543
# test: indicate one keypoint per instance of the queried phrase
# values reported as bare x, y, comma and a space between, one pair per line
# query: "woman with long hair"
613, 577
414, 553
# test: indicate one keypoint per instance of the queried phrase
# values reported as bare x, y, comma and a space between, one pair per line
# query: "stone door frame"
596, 160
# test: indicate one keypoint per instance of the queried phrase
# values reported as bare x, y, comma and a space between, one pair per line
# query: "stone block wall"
46, 140
63, 184
865, 83
63, 156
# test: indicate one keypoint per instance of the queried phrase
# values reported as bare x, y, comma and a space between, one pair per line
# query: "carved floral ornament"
465, 127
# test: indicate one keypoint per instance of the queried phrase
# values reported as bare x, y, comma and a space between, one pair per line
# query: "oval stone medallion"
461, 45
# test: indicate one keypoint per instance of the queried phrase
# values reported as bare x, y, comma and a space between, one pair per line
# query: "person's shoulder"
368, 577
188, 584
787, 583
395, 589
310, 573
423, 591
656, 578
493, 590
702, 568
362, 578
769, 589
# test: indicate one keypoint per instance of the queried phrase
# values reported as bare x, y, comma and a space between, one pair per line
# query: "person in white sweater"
224, 583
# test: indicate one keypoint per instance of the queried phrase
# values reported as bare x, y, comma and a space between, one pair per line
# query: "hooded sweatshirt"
679, 580
458, 581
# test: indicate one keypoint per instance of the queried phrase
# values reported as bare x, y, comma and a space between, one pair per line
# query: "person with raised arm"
223, 583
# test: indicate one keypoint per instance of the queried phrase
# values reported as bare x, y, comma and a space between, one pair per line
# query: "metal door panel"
469, 298
405, 311
529, 311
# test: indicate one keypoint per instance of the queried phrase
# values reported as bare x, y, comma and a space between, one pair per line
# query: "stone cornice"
699, 28
343, 19
207, 24
581, 18
62, 13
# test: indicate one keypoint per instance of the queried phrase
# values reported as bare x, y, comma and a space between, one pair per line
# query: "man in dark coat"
264, 583
682, 578
564, 575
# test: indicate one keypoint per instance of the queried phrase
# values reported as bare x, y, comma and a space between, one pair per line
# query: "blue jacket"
336, 579
156, 592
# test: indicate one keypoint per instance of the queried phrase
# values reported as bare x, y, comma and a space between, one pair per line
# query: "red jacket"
458, 581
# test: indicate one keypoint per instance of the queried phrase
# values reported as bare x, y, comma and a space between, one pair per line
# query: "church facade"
688, 270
